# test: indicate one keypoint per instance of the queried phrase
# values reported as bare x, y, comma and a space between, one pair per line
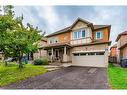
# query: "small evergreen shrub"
45, 61
41, 61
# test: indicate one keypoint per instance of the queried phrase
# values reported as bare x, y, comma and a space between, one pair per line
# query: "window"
75, 35
79, 34
99, 53
83, 54
91, 53
53, 40
76, 54
98, 35
83, 34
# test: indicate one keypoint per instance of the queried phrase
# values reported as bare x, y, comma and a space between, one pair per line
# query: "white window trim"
85, 33
53, 40
74, 35
100, 35
77, 34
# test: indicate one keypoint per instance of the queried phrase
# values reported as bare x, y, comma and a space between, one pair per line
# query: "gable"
79, 25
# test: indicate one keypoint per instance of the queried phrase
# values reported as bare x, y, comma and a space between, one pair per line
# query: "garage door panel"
89, 60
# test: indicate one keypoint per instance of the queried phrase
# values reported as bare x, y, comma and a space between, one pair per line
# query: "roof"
56, 45
80, 19
93, 43
59, 31
125, 45
100, 26
114, 46
44, 39
94, 27
123, 33
68, 44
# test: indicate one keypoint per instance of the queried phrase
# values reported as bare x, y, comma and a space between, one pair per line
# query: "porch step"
51, 66
66, 64
53, 69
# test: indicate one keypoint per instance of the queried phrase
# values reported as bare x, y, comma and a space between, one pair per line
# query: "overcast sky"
53, 18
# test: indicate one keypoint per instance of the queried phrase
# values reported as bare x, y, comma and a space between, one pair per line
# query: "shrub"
45, 61
37, 62
41, 61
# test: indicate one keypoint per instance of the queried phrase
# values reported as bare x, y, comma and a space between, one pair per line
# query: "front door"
56, 54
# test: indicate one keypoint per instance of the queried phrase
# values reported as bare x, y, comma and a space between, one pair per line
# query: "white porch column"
52, 55
65, 55
106, 57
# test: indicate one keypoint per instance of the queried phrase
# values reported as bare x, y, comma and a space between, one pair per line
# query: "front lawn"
117, 77
12, 73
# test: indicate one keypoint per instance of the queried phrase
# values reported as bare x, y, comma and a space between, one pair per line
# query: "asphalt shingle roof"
95, 27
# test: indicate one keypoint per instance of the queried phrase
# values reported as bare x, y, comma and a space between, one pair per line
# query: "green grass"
117, 77
12, 73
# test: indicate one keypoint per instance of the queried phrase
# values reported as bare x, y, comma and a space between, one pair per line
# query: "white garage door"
94, 59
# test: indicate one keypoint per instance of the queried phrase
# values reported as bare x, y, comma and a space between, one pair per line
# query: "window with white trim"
99, 35
53, 40
79, 34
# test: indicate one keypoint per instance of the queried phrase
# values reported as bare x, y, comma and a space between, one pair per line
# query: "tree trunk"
4, 60
6, 63
20, 62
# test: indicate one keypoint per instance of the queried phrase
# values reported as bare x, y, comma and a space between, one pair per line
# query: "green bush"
45, 61
41, 61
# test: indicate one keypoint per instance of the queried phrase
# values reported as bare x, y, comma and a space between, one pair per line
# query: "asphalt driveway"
67, 78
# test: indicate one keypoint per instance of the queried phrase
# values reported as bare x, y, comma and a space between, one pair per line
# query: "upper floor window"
98, 35
75, 35
83, 34
53, 40
79, 34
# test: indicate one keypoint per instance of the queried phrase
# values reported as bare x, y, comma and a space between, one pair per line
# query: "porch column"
52, 55
106, 57
65, 54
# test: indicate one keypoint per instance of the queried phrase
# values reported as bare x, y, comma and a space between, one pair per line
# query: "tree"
18, 39
6, 24
24, 41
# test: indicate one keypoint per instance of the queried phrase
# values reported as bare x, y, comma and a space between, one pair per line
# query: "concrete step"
52, 68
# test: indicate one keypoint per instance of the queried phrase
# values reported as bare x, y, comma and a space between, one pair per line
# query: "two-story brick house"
113, 54
113, 50
121, 46
82, 44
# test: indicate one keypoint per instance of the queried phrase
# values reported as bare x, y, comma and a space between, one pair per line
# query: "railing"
81, 41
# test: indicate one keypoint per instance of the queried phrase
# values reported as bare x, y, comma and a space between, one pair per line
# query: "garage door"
94, 59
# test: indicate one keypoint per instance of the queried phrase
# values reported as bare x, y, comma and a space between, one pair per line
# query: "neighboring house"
113, 54
121, 46
82, 44
113, 51
41, 52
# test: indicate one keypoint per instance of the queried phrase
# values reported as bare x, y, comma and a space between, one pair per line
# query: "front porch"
59, 53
